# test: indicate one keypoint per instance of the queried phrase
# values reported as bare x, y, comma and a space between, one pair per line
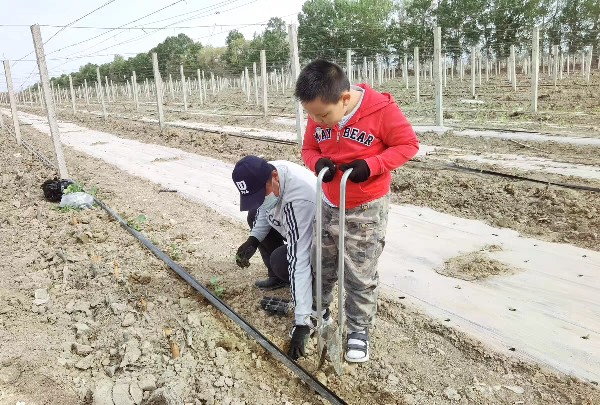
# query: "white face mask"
270, 200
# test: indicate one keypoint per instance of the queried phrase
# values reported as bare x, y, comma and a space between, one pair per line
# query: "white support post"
263, 72
295, 64
568, 64
43, 69
479, 65
72, 94
349, 64
212, 83
473, 63
437, 72
365, 75
589, 62
555, 68
513, 68
405, 70
247, 82
461, 70
13, 101
416, 70
134, 85
107, 89
445, 69
255, 83
199, 86
535, 68
562, 65
183, 92
159, 93
86, 92
101, 93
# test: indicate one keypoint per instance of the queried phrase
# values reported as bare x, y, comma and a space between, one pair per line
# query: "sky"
206, 21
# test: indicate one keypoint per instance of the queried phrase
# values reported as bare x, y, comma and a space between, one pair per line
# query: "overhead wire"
71, 23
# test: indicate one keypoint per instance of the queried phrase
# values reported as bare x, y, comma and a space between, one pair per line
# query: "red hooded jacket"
378, 132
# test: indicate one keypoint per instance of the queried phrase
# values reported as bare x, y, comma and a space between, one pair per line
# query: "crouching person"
280, 199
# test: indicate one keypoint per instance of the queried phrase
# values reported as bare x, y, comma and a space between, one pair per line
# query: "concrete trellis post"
255, 83
72, 94
437, 72
13, 101
159, 93
555, 68
41, 61
136, 92
562, 65
445, 69
247, 82
107, 89
87, 94
199, 86
263, 72
535, 67
416, 70
513, 68
473, 50
100, 93
349, 64
295, 64
589, 62
183, 90
405, 70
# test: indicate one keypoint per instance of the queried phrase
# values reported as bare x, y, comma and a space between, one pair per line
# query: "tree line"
390, 28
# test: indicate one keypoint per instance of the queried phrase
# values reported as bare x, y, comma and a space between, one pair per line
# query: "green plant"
73, 188
66, 209
175, 251
216, 285
137, 222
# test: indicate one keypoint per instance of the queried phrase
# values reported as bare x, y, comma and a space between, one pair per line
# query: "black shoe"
271, 283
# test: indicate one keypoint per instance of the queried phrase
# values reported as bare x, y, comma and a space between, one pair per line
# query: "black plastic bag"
53, 189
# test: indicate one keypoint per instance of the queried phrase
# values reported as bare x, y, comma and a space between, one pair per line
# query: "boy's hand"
246, 251
325, 162
360, 170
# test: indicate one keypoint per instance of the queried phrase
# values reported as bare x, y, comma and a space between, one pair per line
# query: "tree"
274, 41
236, 55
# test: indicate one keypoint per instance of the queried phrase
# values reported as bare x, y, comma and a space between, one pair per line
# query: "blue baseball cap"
250, 176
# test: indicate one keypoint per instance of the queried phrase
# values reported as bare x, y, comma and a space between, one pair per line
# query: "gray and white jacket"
293, 217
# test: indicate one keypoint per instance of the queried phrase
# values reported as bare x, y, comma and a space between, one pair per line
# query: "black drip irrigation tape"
456, 167
213, 299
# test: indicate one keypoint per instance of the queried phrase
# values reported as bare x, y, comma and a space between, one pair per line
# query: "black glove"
299, 338
360, 170
325, 162
246, 251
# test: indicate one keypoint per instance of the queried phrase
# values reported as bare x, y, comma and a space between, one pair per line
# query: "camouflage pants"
365, 239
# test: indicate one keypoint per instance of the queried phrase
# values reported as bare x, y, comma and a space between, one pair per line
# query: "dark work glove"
299, 338
325, 162
360, 170
246, 251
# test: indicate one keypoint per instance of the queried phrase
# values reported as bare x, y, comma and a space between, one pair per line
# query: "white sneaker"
358, 347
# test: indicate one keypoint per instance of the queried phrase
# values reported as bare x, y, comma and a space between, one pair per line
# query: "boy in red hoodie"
353, 127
